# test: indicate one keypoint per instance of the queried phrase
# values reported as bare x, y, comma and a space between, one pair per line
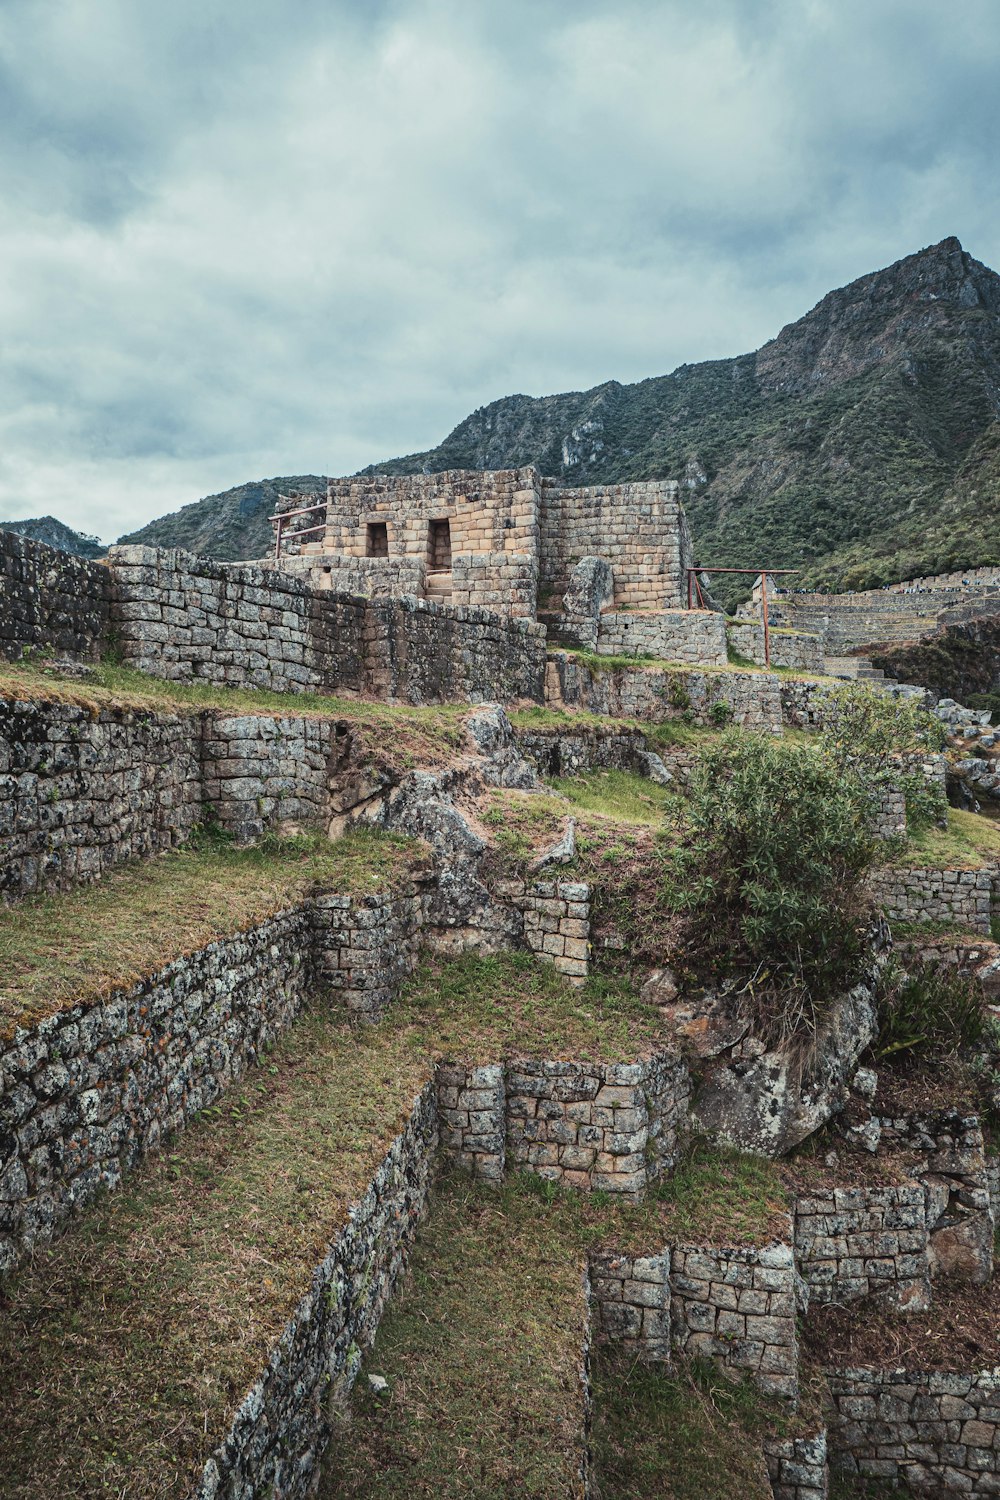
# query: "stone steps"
854, 668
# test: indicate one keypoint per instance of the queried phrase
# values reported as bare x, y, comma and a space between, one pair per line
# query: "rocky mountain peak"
877, 318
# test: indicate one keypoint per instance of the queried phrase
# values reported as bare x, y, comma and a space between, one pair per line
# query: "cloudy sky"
243, 238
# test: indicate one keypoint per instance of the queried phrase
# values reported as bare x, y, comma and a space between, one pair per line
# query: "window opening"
439, 547
377, 541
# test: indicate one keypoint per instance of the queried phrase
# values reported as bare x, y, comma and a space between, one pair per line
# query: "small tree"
769, 874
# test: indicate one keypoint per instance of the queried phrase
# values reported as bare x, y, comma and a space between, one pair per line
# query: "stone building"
605, 566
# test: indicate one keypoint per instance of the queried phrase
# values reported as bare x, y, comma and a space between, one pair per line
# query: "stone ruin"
605, 567
440, 589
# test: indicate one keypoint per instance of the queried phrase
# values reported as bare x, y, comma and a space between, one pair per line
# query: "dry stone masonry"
937, 1433
50, 601
961, 898
283, 1424
81, 791
738, 1306
89, 1090
855, 1242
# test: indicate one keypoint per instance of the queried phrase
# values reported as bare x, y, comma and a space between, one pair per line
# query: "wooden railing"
278, 521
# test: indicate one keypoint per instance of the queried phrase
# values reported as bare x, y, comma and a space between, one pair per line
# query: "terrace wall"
284, 1423
962, 898
80, 791
738, 1306
935, 1432
50, 601
750, 699
695, 637
89, 1090
864, 1242
612, 1126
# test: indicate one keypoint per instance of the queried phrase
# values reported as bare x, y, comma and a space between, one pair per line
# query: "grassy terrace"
125, 1348
427, 735
60, 950
969, 841
482, 1356
685, 1433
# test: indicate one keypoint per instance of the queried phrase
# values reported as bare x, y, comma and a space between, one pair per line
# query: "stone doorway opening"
377, 539
439, 547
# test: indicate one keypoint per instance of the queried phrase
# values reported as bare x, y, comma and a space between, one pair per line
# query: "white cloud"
260, 238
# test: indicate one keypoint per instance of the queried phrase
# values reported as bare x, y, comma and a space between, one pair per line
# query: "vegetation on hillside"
769, 875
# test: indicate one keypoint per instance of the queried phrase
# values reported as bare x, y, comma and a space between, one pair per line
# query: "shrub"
931, 1011
769, 875
721, 713
867, 731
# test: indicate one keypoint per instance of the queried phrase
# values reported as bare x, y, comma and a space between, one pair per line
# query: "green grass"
482, 1352
677, 1433
968, 842
60, 950
429, 735
722, 1196
481, 1008
126, 1346
482, 1355
621, 795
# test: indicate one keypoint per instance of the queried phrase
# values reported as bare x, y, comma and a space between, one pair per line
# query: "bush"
769, 875
931, 1011
867, 731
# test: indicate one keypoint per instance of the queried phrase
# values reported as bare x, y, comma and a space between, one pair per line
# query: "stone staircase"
853, 668
439, 587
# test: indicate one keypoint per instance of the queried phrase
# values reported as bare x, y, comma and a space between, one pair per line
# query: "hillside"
862, 444
231, 525
55, 534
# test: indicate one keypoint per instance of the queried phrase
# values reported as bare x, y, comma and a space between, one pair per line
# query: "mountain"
231, 525
862, 445
55, 534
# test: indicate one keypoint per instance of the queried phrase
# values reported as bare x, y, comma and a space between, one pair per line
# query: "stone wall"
801, 652
937, 1433
797, 1466
472, 1114
639, 528
187, 618
366, 946
738, 1306
263, 771
571, 752
92, 1088
856, 1242
613, 1126
50, 601
82, 790
952, 1168
368, 577
587, 1125
284, 1423
556, 915
492, 519
961, 898
693, 636
749, 699
631, 1300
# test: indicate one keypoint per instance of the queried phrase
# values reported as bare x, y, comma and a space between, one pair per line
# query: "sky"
248, 238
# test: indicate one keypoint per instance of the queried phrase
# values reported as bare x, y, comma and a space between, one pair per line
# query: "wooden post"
277, 538
763, 607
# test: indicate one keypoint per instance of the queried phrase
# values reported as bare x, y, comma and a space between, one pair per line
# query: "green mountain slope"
861, 445
55, 534
230, 526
